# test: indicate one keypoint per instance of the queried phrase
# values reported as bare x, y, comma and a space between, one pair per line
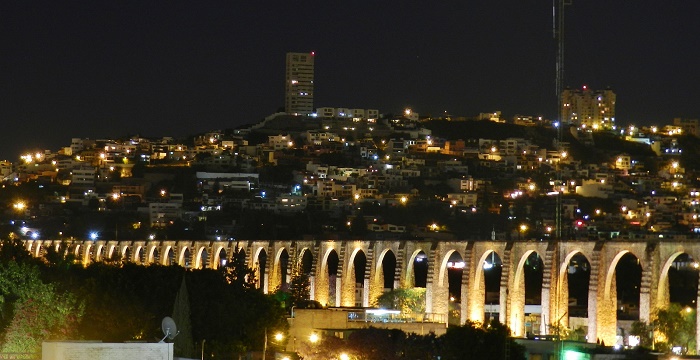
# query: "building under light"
299, 86
590, 109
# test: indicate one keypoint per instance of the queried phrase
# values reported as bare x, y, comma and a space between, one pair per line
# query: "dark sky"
103, 68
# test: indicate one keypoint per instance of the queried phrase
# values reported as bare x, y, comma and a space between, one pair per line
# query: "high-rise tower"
588, 108
299, 87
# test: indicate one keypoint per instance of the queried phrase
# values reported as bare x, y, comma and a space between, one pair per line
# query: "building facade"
592, 109
299, 86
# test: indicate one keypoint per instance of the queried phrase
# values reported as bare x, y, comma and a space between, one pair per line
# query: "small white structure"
88, 350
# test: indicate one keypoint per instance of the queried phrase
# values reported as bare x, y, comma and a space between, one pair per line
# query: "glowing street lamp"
314, 338
19, 205
93, 235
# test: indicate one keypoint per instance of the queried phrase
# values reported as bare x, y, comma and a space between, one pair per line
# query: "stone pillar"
561, 306
269, 259
430, 283
593, 291
606, 301
504, 296
312, 287
465, 289
440, 287
315, 257
645, 294
345, 283
549, 298
275, 267
516, 304
370, 286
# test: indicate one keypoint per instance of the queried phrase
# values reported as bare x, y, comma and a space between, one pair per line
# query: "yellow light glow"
313, 338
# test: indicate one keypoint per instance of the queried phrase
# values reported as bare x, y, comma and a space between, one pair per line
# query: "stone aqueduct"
654, 255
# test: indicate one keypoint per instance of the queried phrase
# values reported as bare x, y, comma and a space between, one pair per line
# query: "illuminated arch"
37, 250
611, 272
410, 273
99, 252
443, 265
662, 295
168, 256
138, 255
152, 255
202, 256
216, 256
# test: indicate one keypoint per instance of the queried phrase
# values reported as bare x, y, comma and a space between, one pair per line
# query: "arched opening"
126, 254
110, 252
186, 260
578, 275
89, 250
99, 254
202, 259
533, 271
153, 256
284, 270
306, 261
169, 258
454, 268
332, 267
357, 275
139, 258
389, 270
627, 282
260, 267
488, 287
37, 251
419, 269
680, 284
525, 293
222, 258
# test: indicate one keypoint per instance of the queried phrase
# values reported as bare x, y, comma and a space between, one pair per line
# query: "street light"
19, 205
278, 337
314, 338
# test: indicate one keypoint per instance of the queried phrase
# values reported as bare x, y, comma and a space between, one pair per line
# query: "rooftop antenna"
169, 329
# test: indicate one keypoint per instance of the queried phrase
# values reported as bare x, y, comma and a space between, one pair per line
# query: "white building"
160, 213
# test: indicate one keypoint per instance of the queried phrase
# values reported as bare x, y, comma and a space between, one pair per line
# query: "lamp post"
203, 341
278, 337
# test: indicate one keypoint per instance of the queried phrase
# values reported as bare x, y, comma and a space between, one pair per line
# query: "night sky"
115, 68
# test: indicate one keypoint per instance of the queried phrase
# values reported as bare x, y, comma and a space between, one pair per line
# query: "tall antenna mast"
558, 32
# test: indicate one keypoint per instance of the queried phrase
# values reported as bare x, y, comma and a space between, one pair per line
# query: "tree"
677, 325
36, 311
184, 343
300, 284
406, 300
644, 331
474, 341
237, 273
13, 250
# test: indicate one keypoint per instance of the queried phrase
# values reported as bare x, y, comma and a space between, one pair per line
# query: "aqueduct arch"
655, 255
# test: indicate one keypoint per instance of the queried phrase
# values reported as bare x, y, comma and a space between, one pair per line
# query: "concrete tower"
299, 86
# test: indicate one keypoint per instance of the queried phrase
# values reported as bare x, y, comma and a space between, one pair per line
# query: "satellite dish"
169, 328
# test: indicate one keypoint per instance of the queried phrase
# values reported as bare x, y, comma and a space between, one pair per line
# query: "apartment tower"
587, 108
299, 86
